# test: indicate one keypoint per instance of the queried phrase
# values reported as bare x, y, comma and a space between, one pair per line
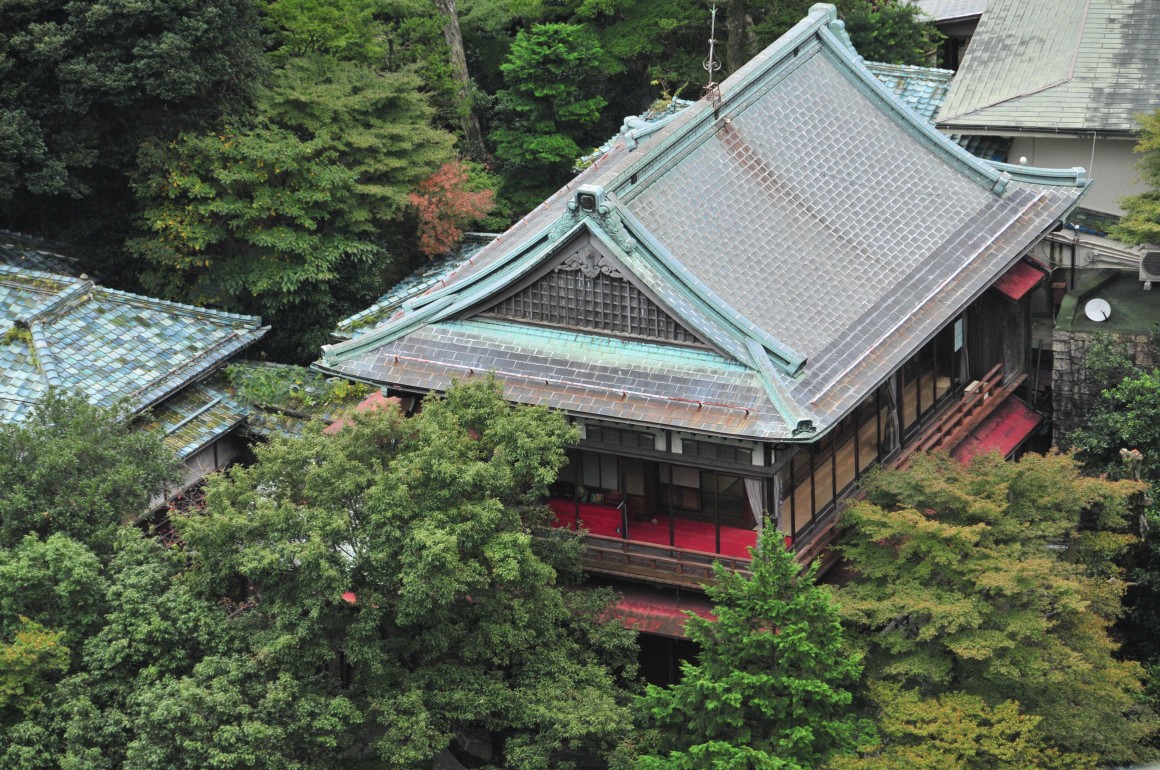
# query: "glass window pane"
591, 462
909, 393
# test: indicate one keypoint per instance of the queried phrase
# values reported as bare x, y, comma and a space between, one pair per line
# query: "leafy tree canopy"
1141, 222
77, 470
83, 80
406, 544
1127, 417
895, 32
1120, 439
553, 74
365, 599
955, 731
290, 215
346, 29
772, 685
445, 205
976, 579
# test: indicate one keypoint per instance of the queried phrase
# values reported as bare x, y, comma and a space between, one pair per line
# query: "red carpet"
691, 535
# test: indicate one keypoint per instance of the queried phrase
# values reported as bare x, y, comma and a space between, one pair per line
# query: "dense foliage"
83, 84
364, 599
267, 156
79, 471
998, 581
772, 685
273, 216
1120, 440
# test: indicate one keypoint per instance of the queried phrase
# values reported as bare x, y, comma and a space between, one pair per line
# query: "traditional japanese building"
58, 329
792, 281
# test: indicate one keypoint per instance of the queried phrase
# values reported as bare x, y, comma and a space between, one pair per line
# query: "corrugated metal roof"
108, 345
809, 218
1058, 65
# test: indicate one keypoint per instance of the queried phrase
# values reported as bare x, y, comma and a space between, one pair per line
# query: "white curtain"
755, 491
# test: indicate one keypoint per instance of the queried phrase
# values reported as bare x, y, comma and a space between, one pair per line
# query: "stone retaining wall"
1072, 394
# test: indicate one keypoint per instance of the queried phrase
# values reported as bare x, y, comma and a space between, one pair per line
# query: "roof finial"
711, 64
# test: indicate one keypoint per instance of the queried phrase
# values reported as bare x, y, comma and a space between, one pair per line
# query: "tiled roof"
413, 285
808, 227
637, 128
59, 331
32, 253
949, 10
195, 418
1058, 65
922, 89
591, 373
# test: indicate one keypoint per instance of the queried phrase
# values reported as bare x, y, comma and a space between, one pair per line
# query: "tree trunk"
454, 37
741, 40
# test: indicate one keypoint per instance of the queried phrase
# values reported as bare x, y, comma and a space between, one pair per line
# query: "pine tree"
772, 686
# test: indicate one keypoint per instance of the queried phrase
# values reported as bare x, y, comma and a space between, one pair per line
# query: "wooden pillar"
717, 507
672, 521
579, 478
792, 501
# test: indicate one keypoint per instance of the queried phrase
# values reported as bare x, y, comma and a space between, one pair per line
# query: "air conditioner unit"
1150, 266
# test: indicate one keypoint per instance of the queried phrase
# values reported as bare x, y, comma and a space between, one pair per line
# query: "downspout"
1074, 249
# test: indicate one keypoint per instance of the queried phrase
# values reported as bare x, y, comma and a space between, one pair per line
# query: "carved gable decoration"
589, 290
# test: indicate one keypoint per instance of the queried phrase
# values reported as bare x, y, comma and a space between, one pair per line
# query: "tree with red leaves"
446, 206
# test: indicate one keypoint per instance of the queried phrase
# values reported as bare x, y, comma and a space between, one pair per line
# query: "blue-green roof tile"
110, 346
195, 418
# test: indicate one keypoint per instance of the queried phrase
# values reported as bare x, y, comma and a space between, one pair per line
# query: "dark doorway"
660, 658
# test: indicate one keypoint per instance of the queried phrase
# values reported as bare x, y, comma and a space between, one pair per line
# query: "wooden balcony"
952, 426
653, 563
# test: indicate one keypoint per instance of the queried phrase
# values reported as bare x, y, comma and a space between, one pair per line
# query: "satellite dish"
1097, 310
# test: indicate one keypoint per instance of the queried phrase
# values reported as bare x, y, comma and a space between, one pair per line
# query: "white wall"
1112, 171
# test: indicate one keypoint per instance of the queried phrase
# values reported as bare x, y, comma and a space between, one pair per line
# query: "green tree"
1141, 220
1127, 416
28, 665
891, 31
772, 685
296, 217
553, 74
83, 84
394, 565
352, 30
77, 470
955, 731
136, 629
1120, 439
979, 579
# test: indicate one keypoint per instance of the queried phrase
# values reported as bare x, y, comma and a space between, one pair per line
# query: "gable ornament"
590, 264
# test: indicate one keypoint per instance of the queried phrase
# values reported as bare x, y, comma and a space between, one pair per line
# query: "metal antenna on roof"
711, 64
